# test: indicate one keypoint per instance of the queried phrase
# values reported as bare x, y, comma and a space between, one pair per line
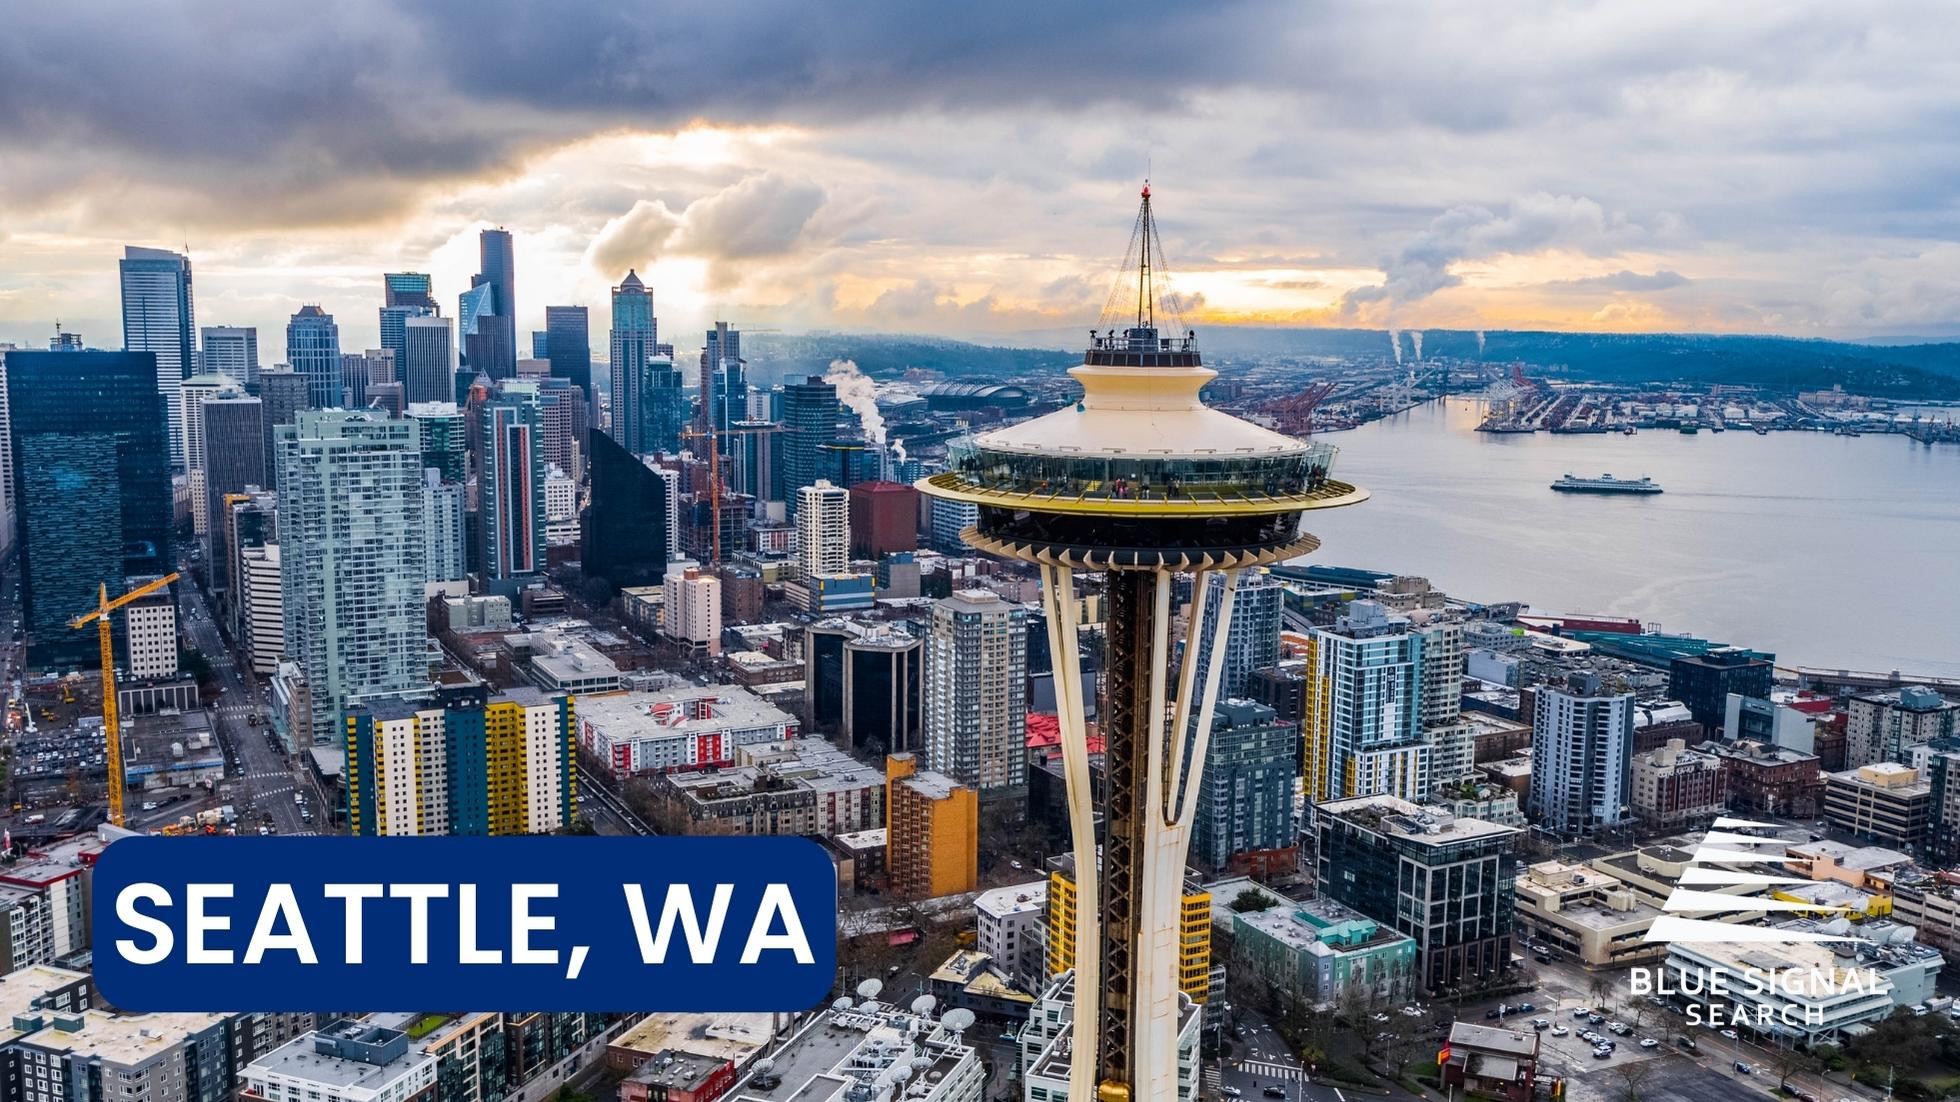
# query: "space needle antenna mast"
1141, 481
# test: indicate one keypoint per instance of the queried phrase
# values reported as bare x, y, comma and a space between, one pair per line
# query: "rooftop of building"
1013, 899
727, 706
1321, 927
1400, 818
1759, 753
1848, 856
306, 1058
1805, 969
129, 1040
1889, 777
733, 1037
858, 841
851, 1047
678, 1071
22, 989
54, 861
810, 764
1489, 1038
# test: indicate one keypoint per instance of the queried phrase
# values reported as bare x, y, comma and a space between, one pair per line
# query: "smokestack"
857, 392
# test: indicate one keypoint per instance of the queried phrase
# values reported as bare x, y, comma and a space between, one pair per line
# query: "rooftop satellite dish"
958, 1020
868, 1005
869, 989
764, 1065
841, 1004
921, 1063
900, 1073
923, 1004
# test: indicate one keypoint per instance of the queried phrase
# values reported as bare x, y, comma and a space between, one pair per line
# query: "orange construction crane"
110, 726
713, 437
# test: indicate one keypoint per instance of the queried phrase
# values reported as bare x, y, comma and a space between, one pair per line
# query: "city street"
263, 772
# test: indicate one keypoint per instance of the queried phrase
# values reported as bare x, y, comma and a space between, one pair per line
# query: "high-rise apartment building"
445, 527
568, 345
1581, 757
150, 634
809, 423
1362, 734
976, 704
232, 351
1194, 929
885, 519
352, 560
91, 456
1245, 802
428, 360
444, 437
691, 608
635, 343
1675, 788
932, 831
191, 394
823, 529
159, 317
313, 350
1886, 726
510, 508
1252, 643
461, 761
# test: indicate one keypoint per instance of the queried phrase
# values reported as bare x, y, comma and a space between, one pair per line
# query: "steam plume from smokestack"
1395, 342
1415, 338
858, 393
1480, 343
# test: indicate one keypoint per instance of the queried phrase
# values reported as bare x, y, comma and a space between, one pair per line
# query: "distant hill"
887, 356
1907, 371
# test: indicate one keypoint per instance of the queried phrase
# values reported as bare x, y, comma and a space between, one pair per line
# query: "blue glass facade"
313, 350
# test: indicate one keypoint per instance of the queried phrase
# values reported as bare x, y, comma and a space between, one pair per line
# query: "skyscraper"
628, 526
1581, 757
497, 266
231, 350
234, 458
406, 295
91, 461
285, 393
976, 707
445, 439
635, 337
510, 510
428, 361
1363, 733
663, 407
809, 423
313, 350
823, 529
159, 318
724, 379
445, 526
486, 324
352, 562
568, 345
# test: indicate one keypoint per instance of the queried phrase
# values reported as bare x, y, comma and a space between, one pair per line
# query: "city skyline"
1661, 168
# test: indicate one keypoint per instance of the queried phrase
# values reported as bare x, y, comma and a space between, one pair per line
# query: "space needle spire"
1142, 481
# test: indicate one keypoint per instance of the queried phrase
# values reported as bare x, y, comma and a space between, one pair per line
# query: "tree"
1793, 1061
1251, 899
1633, 1076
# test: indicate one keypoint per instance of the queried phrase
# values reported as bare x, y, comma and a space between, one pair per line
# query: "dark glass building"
1703, 682
809, 423
284, 393
568, 345
663, 408
92, 461
624, 537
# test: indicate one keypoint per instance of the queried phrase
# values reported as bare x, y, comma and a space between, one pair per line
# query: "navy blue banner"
223, 924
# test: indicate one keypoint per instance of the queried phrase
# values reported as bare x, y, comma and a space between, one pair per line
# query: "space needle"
1141, 481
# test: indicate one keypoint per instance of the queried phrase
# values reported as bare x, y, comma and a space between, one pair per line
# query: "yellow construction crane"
100, 614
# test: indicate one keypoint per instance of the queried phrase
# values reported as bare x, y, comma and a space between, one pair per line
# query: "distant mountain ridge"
1902, 371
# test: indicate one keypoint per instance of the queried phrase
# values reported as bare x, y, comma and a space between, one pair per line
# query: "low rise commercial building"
1491, 1062
801, 787
845, 1053
1318, 955
678, 729
348, 1060
1885, 802
1675, 787
1774, 780
1011, 925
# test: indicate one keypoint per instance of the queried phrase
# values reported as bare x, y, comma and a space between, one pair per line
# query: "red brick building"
884, 519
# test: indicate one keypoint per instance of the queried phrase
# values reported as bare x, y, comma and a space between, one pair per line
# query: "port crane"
1294, 413
713, 437
110, 725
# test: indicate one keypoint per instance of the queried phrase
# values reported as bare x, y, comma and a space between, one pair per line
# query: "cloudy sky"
971, 169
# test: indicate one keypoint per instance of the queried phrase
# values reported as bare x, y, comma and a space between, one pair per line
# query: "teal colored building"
1323, 954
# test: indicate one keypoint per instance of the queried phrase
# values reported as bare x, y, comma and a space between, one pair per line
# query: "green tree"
1251, 899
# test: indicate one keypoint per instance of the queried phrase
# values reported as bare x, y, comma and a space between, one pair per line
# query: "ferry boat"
1605, 484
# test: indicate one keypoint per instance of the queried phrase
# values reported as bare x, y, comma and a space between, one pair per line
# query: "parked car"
1649, 1042
1602, 1053
1540, 1023
1731, 1035
1560, 1031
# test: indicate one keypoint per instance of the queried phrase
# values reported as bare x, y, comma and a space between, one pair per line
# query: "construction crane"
110, 727
713, 437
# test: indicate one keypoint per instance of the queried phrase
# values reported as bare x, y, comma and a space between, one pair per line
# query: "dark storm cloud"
314, 108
